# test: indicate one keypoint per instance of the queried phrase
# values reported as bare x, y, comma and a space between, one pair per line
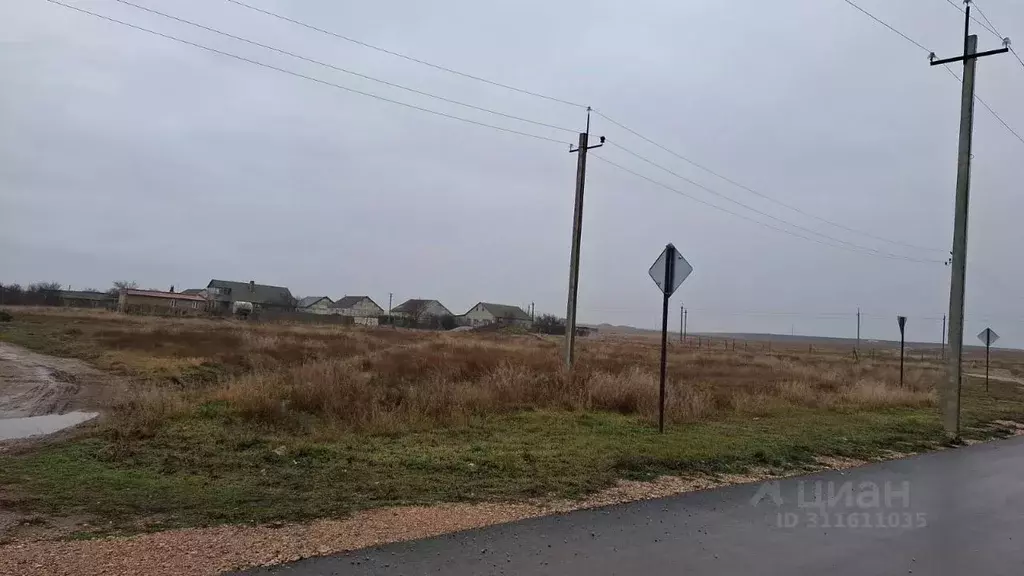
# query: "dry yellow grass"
383, 379
228, 421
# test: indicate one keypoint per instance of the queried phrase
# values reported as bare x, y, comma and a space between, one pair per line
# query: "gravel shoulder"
211, 551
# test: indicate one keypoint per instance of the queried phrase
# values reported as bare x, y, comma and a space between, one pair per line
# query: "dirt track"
34, 384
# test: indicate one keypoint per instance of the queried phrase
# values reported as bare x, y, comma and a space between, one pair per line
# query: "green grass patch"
204, 469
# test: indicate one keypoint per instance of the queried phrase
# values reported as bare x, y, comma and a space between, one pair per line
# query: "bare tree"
122, 285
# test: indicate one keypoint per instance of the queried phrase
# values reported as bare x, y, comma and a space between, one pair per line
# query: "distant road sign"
902, 320
680, 270
988, 336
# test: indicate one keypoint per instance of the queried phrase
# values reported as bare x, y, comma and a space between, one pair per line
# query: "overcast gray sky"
124, 155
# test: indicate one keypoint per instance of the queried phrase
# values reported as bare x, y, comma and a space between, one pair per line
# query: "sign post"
668, 272
989, 337
903, 324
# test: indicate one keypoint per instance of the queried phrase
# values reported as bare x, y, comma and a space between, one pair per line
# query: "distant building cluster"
231, 298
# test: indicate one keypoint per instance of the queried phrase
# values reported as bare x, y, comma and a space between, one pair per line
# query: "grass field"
223, 421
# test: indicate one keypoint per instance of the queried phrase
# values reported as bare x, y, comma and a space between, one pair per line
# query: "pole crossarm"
969, 57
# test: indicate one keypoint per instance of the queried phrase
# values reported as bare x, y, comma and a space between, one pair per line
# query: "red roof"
158, 294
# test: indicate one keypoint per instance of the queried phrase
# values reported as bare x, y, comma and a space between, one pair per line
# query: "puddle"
14, 428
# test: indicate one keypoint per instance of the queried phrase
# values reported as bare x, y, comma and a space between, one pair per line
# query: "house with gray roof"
490, 313
222, 295
314, 305
419, 313
416, 309
361, 308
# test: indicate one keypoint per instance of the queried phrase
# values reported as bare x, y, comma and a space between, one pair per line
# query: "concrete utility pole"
577, 234
949, 394
390, 320
685, 312
682, 329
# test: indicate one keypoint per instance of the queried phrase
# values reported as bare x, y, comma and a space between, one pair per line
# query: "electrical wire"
995, 31
304, 76
405, 56
988, 27
759, 194
883, 23
991, 27
919, 45
346, 71
987, 107
599, 113
741, 204
758, 222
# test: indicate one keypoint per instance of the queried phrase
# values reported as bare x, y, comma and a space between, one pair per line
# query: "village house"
503, 314
222, 295
416, 310
132, 301
362, 309
314, 305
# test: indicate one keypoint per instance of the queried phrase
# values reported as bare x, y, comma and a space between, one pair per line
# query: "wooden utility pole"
577, 234
949, 394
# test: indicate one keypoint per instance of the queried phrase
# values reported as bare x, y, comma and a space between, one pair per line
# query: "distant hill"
830, 341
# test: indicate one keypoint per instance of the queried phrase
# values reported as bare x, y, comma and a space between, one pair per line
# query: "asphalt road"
953, 512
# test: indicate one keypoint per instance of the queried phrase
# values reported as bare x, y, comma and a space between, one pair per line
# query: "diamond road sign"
988, 336
680, 270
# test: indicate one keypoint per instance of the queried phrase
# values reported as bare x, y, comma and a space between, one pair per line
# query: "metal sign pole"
988, 337
901, 360
903, 323
669, 278
668, 272
988, 346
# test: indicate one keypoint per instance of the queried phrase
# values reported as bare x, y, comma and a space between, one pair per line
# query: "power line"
346, 71
987, 107
988, 27
304, 76
755, 192
477, 78
758, 222
996, 32
1015, 55
919, 45
992, 27
405, 56
737, 202
883, 23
